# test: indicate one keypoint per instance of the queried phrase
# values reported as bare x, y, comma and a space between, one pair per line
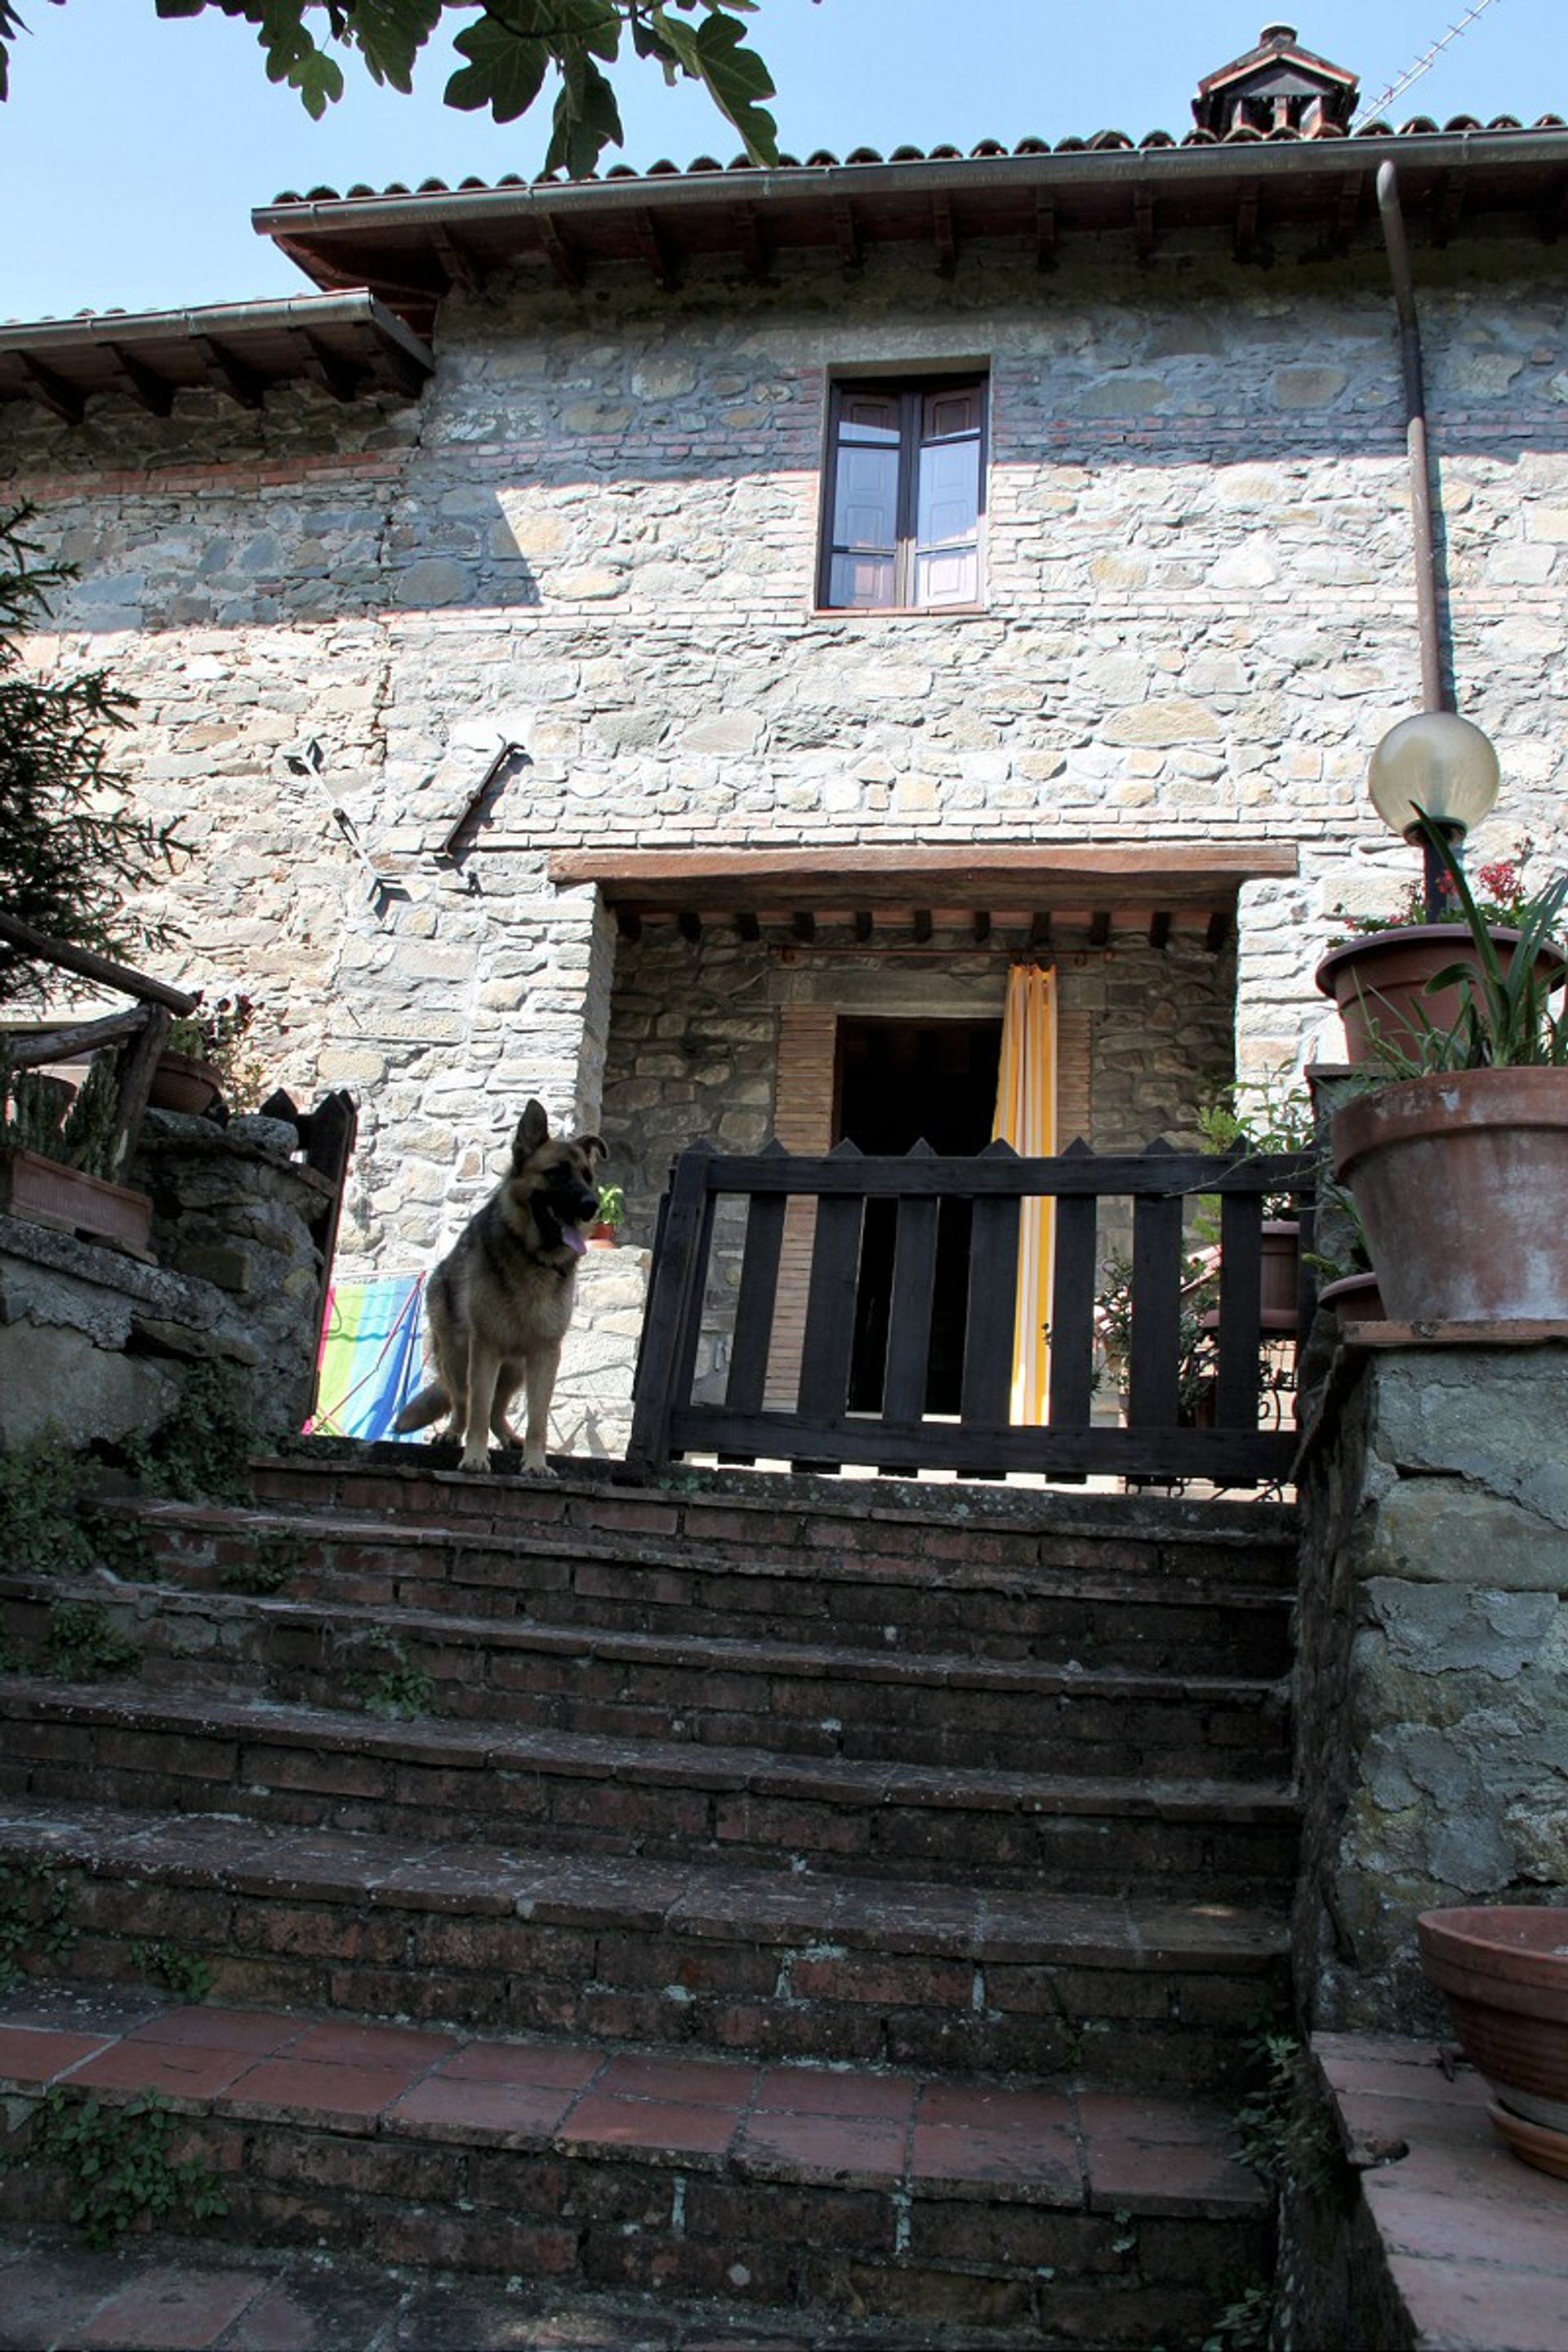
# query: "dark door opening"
897, 1083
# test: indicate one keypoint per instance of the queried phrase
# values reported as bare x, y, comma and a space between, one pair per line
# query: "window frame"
910, 389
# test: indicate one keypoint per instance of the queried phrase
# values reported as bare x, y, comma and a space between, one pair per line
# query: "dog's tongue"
573, 1240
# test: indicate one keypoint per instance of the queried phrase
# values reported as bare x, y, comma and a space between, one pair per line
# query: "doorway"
897, 1083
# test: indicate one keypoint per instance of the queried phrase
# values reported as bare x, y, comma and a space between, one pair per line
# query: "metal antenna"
1375, 107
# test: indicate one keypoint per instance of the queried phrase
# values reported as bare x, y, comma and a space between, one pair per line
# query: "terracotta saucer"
1547, 2150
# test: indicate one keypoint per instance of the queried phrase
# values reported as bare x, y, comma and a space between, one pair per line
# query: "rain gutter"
1436, 689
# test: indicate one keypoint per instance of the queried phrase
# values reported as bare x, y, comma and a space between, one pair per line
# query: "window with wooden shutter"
905, 496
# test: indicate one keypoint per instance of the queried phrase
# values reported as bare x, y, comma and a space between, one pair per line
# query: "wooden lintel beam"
628, 923
1099, 928
747, 927
864, 924
846, 233
922, 925
976, 874
562, 257
688, 925
804, 925
224, 368
338, 376
1218, 931
149, 390
752, 236
1144, 223
941, 230
1046, 232
457, 264
1245, 242
1159, 928
52, 390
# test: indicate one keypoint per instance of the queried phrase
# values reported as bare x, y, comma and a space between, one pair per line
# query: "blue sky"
133, 150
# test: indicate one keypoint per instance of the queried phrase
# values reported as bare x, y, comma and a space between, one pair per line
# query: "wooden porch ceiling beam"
457, 264
752, 239
1173, 875
562, 256
1246, 236
1047, 234
942, 231
657, 250
340, 376
847, 234
1144, 223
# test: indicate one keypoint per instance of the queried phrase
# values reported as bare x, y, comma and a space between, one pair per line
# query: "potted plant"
1198, 1357
1504, 1970
1383, 978
612, 1217
1265, 1117
54, 1154
206, 1059
1458, 1162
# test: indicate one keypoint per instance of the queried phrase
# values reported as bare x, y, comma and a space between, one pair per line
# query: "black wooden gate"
1167, 1433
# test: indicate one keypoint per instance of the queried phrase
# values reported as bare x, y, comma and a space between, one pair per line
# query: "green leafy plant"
71, 847
52, 1522
1283, 2128
1247, 2318
219, 1035
118, 2165
270, 1562
38, 1905
401, 1691
507, 53
185, 1973
1198, 1356
201, 1450
44, 1115
1505, 1019
612, 1206
83, 1643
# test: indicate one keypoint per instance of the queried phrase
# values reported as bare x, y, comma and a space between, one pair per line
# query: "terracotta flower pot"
1281, 1273
1354, 1298
1460, 1181
1503, 1971
1378, 983
182, 1083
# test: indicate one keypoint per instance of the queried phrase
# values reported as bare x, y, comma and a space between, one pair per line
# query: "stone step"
794, 1518
1057, 2214
1127, 1991
797, 1699
317, 1767
1152, 1607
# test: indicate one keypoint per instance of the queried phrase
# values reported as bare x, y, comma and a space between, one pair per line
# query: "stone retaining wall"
1432, 1661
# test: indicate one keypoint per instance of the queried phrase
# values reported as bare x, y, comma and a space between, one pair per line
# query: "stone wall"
96, 1345
1432, 1661
596, 535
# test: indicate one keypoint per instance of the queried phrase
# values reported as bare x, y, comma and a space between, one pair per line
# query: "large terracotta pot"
181, 1081
1281, 1273
1354, 1298
1462, 1181
1379, 983
1504, 1970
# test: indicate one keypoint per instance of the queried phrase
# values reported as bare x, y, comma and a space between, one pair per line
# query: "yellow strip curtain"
1027, 1118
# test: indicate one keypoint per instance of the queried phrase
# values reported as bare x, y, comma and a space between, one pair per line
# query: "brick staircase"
815, 1896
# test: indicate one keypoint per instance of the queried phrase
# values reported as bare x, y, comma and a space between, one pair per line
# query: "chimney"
1277, 86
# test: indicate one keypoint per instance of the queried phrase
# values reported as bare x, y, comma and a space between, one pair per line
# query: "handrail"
90, 966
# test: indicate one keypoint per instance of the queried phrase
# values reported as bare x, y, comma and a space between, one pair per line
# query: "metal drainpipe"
1435, 692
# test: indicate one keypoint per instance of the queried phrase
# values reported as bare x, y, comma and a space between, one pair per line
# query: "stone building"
671, 643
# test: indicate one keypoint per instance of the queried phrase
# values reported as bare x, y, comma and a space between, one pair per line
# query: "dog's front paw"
475, 1457
534, 1463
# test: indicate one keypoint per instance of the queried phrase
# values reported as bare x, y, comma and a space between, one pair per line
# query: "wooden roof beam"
147, 388
1347, 211
942, 231
231, 373
747, 927
847, 234
1448, 206
1244, 242
864, 924
562, 256
804, 925
1554, 213
1047, 233
654, 245
53, 390
1144, 223
1159, 929
1099, 927
340, 376
752, 237
459, 264
1218, 932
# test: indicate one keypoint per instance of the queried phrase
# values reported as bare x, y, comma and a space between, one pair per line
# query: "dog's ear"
533, 1129
594, 1145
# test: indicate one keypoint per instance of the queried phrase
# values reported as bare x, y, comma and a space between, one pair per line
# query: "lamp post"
1437, 765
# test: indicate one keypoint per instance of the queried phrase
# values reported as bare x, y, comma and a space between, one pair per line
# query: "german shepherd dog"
499, 1304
